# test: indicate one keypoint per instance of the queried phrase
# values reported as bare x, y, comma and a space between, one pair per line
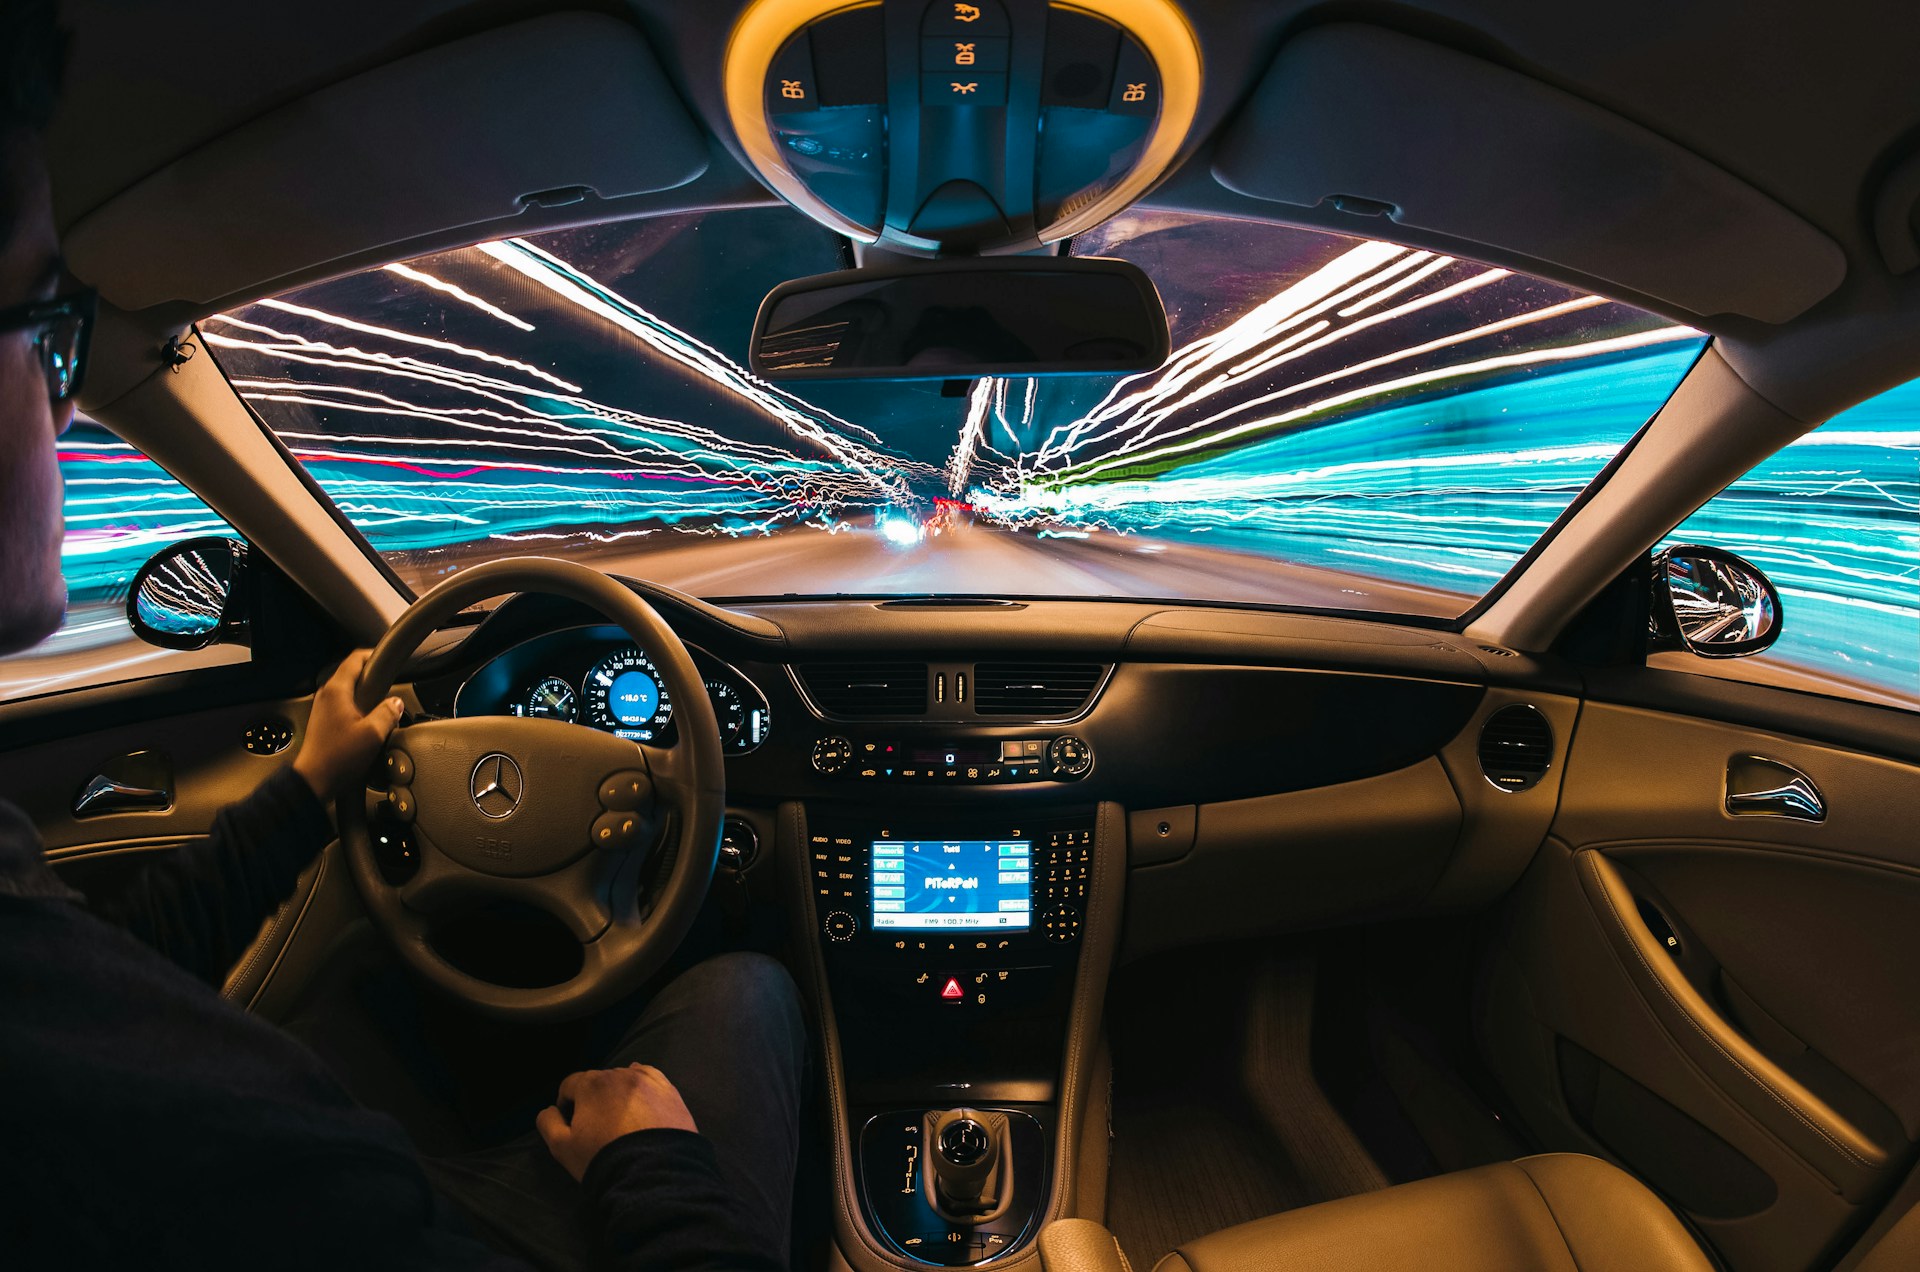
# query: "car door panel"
206, 750
1757, 976
206, 753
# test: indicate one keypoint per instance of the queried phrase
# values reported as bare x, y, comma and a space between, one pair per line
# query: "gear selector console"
954, 1187
951, 941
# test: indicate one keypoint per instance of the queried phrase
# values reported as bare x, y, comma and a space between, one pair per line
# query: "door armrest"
1819, 1135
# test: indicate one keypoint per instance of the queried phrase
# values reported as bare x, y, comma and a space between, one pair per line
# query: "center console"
957, 949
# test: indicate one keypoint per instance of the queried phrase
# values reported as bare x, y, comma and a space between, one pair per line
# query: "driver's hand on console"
341, 742
606, 1104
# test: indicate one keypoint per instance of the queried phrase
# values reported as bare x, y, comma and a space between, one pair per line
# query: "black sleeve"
660, 1204
201, 905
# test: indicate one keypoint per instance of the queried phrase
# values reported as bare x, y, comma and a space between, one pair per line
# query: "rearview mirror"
1712, 603
188, 596
954, 320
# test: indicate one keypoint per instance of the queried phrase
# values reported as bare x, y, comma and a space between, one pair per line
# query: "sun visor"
1451, 144
458, 136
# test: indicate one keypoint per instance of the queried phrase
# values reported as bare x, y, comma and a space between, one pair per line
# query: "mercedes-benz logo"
496, 785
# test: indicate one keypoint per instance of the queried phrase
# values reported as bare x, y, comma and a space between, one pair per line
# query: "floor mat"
1216, 1117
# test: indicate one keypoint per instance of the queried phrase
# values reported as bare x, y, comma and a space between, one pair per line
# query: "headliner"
1809, 104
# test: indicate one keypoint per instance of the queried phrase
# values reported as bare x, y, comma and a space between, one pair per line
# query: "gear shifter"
965, 1155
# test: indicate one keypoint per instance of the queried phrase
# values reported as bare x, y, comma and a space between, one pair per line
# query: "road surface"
971, 560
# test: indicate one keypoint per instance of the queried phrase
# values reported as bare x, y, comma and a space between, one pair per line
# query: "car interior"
1301, 621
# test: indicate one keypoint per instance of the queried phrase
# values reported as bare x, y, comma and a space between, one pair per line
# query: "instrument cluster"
600, 678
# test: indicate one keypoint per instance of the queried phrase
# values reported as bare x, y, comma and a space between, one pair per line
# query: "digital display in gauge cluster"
624, 694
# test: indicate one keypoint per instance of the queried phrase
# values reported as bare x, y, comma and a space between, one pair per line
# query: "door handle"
1759, 787
138, 783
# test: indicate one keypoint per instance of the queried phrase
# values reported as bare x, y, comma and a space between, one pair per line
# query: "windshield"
1343, 423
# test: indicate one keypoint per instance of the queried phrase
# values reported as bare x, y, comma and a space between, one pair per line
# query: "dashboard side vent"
1042, 691
856, 689
1516, 747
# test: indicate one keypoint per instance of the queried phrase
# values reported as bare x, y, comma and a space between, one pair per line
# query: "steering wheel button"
400, 800
625, 791
616, 830
399, 768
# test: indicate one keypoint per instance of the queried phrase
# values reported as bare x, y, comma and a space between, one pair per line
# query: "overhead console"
961, 126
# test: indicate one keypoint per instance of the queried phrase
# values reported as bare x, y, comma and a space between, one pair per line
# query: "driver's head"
32, 594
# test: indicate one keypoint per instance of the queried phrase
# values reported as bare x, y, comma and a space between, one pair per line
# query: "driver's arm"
202, 905
654, 1190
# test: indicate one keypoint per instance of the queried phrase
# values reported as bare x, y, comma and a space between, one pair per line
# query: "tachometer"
551, 699
625, 696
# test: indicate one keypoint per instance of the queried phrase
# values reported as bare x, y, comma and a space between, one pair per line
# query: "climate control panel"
1062, 758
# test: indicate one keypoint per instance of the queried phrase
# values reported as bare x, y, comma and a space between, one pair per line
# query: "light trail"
408, 337
460, 294
980, 402
802, 419
1465, 371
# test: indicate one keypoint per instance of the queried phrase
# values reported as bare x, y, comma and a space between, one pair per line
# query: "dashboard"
598, 677
1274, 771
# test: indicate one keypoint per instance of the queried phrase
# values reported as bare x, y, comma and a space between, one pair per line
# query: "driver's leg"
729, 1034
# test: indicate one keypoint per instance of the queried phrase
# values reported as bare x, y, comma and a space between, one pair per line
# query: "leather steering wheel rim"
621, 794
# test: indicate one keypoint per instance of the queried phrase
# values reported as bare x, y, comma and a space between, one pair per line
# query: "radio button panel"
1062, 758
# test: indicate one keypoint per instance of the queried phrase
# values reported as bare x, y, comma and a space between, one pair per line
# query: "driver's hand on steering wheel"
606, 1104
340, 741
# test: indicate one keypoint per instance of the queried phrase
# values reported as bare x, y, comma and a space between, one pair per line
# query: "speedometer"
625, 696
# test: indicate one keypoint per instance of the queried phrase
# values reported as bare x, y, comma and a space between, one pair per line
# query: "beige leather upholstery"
1080, 1245
1557, 1213
1895, 1250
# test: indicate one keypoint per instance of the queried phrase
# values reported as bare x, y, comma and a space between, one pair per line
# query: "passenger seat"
1560, 1212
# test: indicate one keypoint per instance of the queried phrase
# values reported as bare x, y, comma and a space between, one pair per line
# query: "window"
1344, 423
120, 508
1834, 521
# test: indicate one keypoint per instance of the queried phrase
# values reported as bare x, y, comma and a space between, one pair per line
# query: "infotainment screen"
936, 884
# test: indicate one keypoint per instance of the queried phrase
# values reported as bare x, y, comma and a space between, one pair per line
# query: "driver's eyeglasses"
59, 328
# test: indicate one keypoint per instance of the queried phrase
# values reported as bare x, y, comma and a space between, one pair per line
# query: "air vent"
1497, 652
857, 689
1516, 747
1040, 691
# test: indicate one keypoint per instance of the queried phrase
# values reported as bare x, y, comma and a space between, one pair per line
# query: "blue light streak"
1834, 521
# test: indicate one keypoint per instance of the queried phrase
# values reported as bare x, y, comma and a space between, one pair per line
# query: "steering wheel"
558, 816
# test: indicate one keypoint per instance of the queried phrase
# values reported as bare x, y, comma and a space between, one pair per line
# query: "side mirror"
1712, 603
190, 596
